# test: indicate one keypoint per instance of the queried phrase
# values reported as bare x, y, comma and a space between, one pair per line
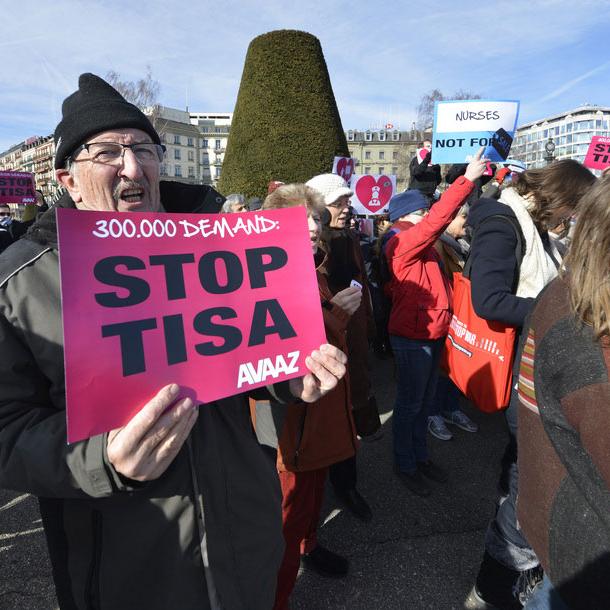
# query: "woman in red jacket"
419, 318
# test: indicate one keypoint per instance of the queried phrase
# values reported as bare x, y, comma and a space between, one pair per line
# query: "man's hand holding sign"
144, 448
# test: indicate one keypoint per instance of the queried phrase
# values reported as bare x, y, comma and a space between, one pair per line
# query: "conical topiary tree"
286, 125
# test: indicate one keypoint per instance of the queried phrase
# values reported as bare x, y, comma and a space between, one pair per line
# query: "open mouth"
132, 195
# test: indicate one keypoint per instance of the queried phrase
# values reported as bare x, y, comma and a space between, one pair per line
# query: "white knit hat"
330, 186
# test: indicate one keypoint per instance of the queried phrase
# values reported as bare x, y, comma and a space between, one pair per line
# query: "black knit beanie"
94, 108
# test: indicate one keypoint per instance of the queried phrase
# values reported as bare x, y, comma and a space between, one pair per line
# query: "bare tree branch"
144, 93
425, 108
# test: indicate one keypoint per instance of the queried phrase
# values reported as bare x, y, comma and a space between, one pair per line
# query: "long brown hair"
558, 186
588, 260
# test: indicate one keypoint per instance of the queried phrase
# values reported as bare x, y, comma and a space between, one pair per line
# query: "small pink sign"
17, 187
219, 304
598, 155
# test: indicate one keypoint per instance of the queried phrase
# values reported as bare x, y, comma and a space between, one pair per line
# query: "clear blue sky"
552, 55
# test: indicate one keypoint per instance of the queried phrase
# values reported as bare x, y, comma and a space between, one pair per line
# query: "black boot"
494, 587
325, 562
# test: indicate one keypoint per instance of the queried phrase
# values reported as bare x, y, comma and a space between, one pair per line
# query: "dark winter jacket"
494, 266
129, 547
564, 450
424, 177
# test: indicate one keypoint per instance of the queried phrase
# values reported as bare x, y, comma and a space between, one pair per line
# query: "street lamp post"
549, 147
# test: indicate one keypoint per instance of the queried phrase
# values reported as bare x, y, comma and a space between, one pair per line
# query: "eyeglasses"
112, 153
5, 214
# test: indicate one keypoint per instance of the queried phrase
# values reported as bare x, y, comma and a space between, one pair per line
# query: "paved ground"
419, 554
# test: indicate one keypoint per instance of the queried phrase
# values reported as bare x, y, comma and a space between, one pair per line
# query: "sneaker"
461, 420
494, 588
415, 483
474, 601
325, 563
431, 471
355, 503
438, 428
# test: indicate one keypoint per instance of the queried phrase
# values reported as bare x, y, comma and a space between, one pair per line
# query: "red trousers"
302, 495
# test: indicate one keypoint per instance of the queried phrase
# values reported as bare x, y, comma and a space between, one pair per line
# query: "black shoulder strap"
519, 248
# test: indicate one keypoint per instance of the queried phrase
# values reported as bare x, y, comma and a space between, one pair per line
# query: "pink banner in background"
598, 155
17, 187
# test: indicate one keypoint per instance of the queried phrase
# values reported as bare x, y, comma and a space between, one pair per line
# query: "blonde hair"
291, 195
588, 259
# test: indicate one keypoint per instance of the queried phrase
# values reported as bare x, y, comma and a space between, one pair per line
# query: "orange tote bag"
478, 355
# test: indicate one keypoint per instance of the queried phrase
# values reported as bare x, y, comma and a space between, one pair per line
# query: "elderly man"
234, 203
179, 508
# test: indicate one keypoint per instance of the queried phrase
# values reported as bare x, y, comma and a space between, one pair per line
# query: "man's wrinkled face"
124, 185
339, 210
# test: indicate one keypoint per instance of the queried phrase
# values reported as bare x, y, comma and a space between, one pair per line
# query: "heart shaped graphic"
345, 168
373, 193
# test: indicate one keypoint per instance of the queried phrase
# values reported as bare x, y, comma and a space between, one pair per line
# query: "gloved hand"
501, 175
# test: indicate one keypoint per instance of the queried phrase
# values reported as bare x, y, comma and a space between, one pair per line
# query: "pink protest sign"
17, 187
598, 155
372, 193
344, 167
219, 304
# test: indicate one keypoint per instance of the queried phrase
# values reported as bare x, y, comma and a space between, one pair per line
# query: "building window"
381, 169
191, 155
394, 155
163, 170
176, 139
217, 173
217, 144
367, 154
396, 136
191, 172
367, 170
178, 171
190, 142
394, 170
350, 135
204, 143
381, 155
382, 136
368, 136
176, 153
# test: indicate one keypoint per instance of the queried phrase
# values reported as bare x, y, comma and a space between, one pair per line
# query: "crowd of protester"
219, 505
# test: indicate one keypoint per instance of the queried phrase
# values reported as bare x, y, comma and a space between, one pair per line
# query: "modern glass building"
571, 133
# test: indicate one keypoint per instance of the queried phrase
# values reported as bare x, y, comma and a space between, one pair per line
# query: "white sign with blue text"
461, 127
